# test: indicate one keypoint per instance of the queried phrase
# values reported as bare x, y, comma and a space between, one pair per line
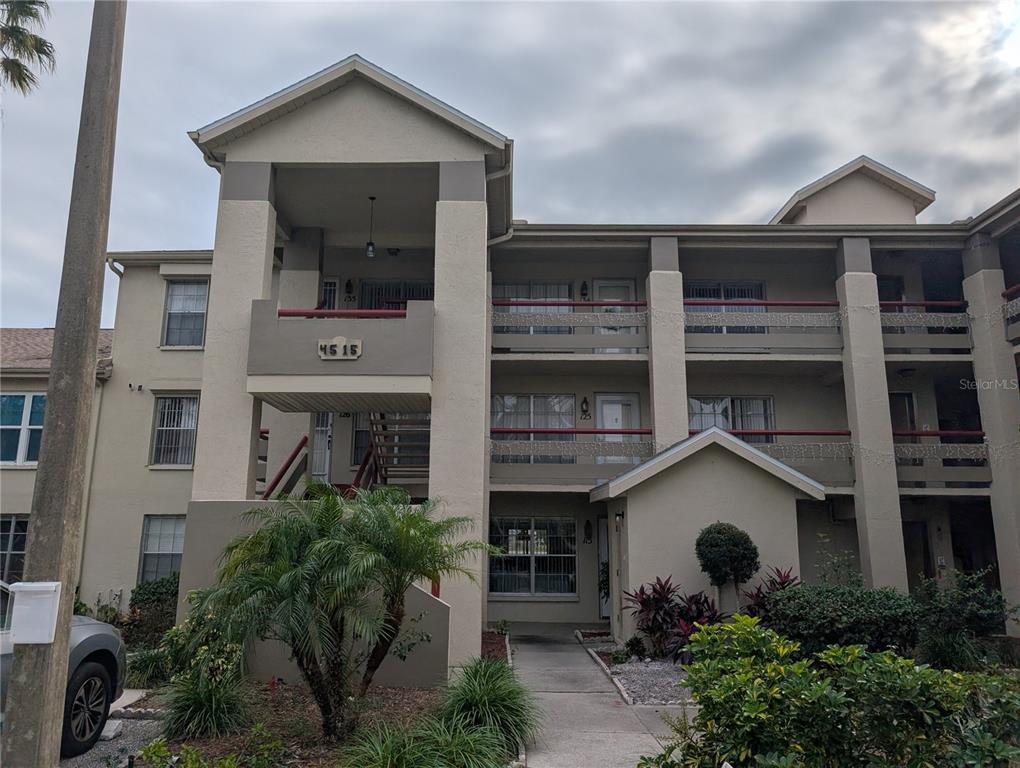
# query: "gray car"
95, 679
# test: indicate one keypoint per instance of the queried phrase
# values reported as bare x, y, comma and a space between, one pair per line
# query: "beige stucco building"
842, 380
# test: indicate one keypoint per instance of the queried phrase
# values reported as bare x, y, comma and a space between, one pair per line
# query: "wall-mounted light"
370, 245
349, 288
587, 531
584, 290
585, 409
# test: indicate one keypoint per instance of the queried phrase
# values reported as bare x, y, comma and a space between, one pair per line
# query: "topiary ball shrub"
820, 615
727, 554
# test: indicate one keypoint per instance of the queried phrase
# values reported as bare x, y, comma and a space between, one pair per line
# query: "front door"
322, 447
604, 567
617, 411
614, 290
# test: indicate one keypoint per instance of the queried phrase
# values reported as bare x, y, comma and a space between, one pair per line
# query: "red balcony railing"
348, 313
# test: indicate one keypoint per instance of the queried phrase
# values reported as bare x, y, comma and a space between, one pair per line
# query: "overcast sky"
656, 113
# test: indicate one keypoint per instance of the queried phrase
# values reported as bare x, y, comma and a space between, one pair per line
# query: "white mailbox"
34, 620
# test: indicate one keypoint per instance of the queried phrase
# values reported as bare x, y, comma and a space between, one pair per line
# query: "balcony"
553, 326
907, 331
341, 360
942, 459
566, 457
1011, 314
762, 327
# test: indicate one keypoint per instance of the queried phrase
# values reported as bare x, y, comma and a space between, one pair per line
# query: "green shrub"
761, 705
260, 750
152, 610
206, 701
147, 668
635, 647
487, 694
955, 617
433, 743
726, 554
819, 615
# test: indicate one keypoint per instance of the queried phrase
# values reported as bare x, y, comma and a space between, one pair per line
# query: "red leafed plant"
775, 580
693, 610
655, 607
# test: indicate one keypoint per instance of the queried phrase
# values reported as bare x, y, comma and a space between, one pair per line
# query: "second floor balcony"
569, 327
341, 360
1011, 315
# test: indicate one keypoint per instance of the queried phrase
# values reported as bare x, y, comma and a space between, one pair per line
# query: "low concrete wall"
213, 524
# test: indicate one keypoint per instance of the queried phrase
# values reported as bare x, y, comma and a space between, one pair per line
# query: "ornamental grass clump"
487, 694
433, 743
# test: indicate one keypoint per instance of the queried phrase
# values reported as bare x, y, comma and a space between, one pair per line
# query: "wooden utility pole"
35, 698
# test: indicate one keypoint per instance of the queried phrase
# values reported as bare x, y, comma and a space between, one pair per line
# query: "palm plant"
402, 543
296, 579
21, 49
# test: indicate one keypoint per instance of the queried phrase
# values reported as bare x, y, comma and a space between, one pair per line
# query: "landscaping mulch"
289, 714
494, 646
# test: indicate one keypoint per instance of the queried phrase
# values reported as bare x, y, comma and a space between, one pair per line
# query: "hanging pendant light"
370, 245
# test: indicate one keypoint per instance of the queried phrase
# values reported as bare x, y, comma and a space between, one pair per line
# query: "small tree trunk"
310, 671
391, 628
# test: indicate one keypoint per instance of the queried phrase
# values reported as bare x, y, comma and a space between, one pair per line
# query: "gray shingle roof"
30, 349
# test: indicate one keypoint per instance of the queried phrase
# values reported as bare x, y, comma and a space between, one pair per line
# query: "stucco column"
459, 454
229, 418
299, 283
999, 402
876, 491
667, 364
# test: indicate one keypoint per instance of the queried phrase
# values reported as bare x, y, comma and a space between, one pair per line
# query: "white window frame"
24, 429
166, 312
771, 415
146, 522
159, 396
532, 594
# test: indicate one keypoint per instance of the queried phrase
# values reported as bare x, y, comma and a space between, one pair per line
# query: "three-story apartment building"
839, 381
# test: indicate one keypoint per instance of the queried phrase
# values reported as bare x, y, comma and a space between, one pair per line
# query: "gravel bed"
109, 754
652, 682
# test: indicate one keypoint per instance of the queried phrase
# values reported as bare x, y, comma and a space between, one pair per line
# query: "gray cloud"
622, 112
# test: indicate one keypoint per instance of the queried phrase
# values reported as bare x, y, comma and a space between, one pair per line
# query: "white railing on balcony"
925, 331
754, 325
572, 327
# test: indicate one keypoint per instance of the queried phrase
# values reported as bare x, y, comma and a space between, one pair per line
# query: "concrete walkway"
586, 723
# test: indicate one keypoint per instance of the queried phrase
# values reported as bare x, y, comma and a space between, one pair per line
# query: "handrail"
948, 304
785, 432
758, 303
348, 313
264, 432
564, 303
1013, 290
363, 467
286, 466
566, 431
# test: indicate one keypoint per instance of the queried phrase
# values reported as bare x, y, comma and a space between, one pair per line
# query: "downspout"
502, 173
113, 267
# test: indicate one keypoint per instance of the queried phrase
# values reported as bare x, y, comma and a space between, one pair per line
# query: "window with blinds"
173, 434
162, 546
726, 290
544, 291
537, 556
731, 413
533, 411
13, 539
186, 302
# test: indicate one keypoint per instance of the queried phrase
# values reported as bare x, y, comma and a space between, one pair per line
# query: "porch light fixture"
349, 288
587, 532
585, 409
584, 290
370, 245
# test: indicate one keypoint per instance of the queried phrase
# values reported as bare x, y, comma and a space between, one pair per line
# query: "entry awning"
673, 455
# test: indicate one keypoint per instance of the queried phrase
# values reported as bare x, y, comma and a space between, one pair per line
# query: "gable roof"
28, 350
329, 79
663, 460
921, 195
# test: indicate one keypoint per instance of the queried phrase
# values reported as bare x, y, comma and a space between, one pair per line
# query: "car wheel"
86, 707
